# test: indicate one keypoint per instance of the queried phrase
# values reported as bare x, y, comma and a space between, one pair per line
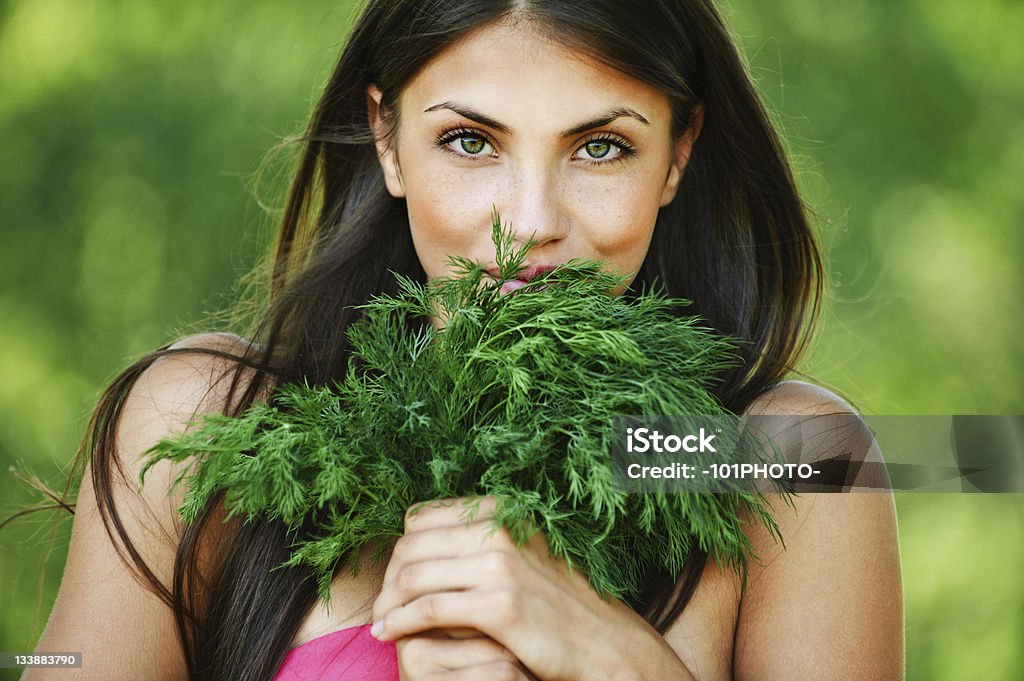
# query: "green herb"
515, 397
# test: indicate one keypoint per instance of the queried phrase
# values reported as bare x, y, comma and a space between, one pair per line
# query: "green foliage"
514, 397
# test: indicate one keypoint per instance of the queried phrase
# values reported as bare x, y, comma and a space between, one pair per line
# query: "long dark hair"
735, 241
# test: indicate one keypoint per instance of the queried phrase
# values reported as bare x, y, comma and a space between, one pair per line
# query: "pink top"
345, 655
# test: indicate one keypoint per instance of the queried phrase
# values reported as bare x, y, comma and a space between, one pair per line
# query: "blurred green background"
129, 133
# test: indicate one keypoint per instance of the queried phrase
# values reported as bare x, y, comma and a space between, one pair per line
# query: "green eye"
598, 148
472, 145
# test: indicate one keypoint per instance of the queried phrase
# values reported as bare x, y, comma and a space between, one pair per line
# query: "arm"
830, 604
121, 627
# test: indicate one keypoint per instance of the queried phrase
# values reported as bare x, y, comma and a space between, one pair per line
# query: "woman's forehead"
518, 76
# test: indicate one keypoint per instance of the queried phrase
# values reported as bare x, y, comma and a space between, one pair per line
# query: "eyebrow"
603, 119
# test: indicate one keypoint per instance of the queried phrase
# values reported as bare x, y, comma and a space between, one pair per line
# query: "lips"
525, 276
531, 272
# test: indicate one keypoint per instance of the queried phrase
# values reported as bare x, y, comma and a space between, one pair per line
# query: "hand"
447, 573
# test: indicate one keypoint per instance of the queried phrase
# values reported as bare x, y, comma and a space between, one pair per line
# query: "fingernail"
377, 627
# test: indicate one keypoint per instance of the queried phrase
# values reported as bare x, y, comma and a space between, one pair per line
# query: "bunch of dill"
513, 396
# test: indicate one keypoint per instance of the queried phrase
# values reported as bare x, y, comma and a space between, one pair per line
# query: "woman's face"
571, 152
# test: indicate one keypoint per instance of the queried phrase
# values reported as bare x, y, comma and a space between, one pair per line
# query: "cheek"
619, 215
449, 214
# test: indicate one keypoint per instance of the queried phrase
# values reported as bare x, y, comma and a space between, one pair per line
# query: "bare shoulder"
813, 425
196, 377
827, 601
201, 374
136, 637
798, 398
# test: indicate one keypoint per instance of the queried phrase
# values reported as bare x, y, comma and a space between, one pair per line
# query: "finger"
492, 612
429, 652
445, 542
492, 671
412, 580
447, 512
456, 512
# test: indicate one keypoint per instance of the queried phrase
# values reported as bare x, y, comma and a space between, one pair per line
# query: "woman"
623, 131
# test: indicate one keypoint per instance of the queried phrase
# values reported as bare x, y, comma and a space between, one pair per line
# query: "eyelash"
626, 150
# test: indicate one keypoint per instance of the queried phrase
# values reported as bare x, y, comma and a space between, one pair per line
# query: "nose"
534, 207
